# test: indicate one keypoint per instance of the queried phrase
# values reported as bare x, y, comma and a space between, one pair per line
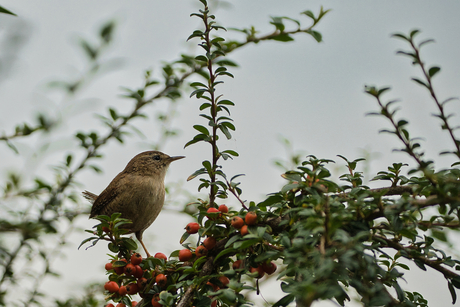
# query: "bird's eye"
156, 157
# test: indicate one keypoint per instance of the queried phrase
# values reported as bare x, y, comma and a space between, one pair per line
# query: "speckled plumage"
137, 192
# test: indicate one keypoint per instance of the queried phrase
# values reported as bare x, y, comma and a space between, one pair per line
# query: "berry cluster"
130, 277
156, 279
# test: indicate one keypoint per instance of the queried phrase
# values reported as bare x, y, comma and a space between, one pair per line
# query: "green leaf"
240, 245
225, 131
452, 292
130, 243
184, 237
231, 152
309, 14
421, 82
201, 171
283, 37
201, 129
232, 240
316, 35
420, 264
285, 301
433, 71
225, 102
224, 252
5, 11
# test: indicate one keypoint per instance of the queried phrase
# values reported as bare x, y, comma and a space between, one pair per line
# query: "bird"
138, 192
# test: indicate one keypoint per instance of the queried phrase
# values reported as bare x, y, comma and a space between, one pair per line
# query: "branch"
389, 191
435, 264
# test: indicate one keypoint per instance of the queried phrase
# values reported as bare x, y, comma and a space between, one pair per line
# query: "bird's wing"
113, 190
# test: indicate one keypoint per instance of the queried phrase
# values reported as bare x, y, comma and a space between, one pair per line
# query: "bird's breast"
148, 199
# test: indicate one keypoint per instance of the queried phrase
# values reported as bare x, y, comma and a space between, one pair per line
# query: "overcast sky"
310, 93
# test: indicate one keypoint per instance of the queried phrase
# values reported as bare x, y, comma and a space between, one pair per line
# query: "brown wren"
138, 192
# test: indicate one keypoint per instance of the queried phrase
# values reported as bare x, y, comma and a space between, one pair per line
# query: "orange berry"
129, 269
192, 228
132, 288
250, 218
214, 287
134, 304
259, 270
185, 255
223, 208
122, 291
211, 214
108, 266
161, 256
139, 271
209, 242
111, 286
201, 251
244, 230
238, 264
155, 300
237, 222
269, 267
136, 258
224, 280
161, 280
120, 270
142, 282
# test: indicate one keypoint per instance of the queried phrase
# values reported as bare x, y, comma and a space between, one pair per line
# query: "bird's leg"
146, 251
139, 237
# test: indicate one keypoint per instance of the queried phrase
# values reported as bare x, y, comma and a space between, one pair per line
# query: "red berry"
269, 267
244, 230
185, 255
209, 242
223, 208
214, 287
132, 288
161, 280
111, 286
139, 271
129, 269
105, 229
108, 266
259, 270
192, 228
134, 304
110, 305
136, 259
121, 305
201, 251
142, 282
250, 218
224, 280
120, 270
238, 265
237, 222
161, 256
211, 213
155, 299
122, 291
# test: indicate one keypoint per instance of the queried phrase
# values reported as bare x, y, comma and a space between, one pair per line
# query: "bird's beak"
175, 158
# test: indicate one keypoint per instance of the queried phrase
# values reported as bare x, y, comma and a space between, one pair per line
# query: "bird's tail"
91, 197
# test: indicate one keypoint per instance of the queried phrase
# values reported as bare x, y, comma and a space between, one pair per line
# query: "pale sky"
311, 93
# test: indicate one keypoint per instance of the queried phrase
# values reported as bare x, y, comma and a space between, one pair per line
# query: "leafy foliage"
319, 236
